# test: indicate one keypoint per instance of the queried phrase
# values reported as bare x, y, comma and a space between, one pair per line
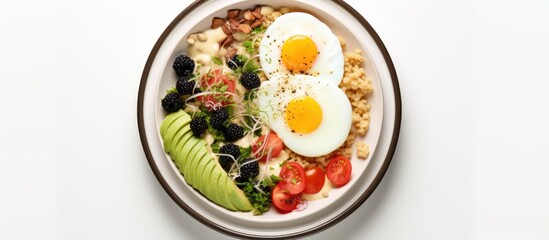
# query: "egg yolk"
303, 114
298, 53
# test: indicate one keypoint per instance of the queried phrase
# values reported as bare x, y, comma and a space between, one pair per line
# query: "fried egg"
311, 116
299, 43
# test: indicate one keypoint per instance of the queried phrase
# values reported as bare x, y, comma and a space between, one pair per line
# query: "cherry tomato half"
273, 144
283, 200
293, 178
339, 171
216, 81
315, 180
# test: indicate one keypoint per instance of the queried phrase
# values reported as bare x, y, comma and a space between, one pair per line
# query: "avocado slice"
196, 174
205, 182
185, 156
237, 197
191, 161
211, 189
180, 148
191, 145
170, 118
219, 179
177, 138
176, 126
198, 165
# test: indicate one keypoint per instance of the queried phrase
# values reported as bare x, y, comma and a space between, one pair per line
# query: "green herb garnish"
171, 90
198, 114
217, 134
250, 67
272, 180
241, 58
245, 152
217, 60
261, 201
257, 30
215, 147
249, 45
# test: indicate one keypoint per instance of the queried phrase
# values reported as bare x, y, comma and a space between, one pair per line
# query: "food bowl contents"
265, 110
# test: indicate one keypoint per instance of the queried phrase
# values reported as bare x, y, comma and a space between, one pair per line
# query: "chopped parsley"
217, 134
217, 60
249, 45
271, 181
171, 90
257, 30
245, 152
250, 67
241, 58
260, 199
198, 114
215, 147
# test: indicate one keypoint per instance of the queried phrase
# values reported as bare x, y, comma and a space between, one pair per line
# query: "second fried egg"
312, 117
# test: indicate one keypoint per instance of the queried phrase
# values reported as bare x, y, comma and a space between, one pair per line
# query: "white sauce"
323, 193
273, 167
202, 51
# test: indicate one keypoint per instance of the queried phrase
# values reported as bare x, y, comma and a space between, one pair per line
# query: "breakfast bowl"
313, 215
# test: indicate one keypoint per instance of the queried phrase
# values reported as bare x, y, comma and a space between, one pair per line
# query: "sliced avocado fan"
198, 166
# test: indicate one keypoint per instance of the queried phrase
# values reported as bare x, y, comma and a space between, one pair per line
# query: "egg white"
275, 94
329, 62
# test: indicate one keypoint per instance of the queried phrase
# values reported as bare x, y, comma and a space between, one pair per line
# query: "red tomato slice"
339, 171
283, 200
315, 180
293, 178
273, 144
217, 81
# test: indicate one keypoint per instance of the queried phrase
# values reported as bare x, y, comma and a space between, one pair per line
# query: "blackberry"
184, 85
235, 62
225, 161
250, 80
183, 65
248, 169
218, 118
198, 126
172, 102
233, 132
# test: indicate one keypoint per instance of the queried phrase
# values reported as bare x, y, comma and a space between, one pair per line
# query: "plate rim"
363, 197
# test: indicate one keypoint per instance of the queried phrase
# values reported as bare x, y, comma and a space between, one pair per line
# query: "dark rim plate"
365, 195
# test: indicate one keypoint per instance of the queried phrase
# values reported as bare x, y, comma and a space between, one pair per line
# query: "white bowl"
158, 76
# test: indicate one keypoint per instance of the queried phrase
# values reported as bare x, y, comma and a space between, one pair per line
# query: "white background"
472, 160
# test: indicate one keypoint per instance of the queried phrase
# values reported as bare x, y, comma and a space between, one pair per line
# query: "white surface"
472, 160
